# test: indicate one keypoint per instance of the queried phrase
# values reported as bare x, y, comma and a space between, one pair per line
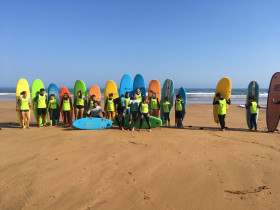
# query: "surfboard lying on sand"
92, 124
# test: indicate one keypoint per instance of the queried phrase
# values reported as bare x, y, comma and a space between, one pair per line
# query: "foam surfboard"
22, 85
35, 90
110, 87
126, 85
167, 91
62, 92
155, 122
154, 86
252, 90
92, 124
183, 95
273, 109
95, 90
54, 90
139, 82
223, 87
80, 86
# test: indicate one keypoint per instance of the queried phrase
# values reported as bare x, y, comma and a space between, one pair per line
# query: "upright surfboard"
22, 85
80, 86
252, 91
126, 85
273, 109
140, 83
167, 91
154, 86
183, 95
94, 90
92, 124
35, 90
62, 92
54, 90
110, 87
223, 87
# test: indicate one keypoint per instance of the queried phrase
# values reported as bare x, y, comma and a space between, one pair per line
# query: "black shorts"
24, 110
178, 114
79, 107
42, 111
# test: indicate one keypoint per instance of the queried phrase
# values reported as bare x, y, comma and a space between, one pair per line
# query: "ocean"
194, 95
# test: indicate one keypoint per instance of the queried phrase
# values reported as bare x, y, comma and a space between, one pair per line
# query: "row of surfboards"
129, 85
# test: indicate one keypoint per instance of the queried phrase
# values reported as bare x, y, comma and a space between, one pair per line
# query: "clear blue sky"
194, 42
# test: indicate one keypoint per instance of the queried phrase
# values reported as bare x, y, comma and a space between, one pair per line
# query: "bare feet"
132, 129
150, 130
28, 127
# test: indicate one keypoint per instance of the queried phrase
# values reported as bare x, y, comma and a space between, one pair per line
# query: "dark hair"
126, 92
111, 94
81, 95
42, 89
52, 95
23, 92
144, 99
251, 97
92, 95
178, 96
218, 95
166, 98
137, 88
66, 95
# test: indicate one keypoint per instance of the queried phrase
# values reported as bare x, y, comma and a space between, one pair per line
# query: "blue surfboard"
167, 91
126, 85
183, 95
54, 90
139, 82
92, 124
253, 90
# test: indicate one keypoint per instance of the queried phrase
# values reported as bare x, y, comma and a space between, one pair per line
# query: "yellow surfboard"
22, 85
223, 87
110, 87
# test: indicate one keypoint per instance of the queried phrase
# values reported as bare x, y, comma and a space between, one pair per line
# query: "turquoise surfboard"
92, 124
139, 82
183, 95
54, 90
167, 91
253, 90
126, 85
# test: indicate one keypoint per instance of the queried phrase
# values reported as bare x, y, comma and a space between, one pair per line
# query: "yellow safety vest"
139, 97
222, 108
144, 108
66, 105
178, 105
110, 105
24, 104
165, 106
53, 103
127, 102
254, 107
154, 104
80, 101
42, 102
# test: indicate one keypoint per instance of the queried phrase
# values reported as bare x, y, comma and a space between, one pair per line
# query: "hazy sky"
194, 42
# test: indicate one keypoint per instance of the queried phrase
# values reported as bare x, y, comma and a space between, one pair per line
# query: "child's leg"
141, 121
22, 114
27, 119
148, 120
76, 113
123, 118
51, 116
65, 117
117, 118
81, 112
255, 120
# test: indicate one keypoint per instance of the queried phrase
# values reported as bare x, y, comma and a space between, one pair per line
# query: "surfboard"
62, 92
183, 95
80, 86
167, 91
155, 122
252, 90
154, 86
139, 82
35, 90
95, 90
22, 85
92, 124
54, 90
223, 87
273, 109
126, 85
110, 87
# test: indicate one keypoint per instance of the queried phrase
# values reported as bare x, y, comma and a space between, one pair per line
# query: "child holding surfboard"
66, 105
222, 109
179, 109
110, 107
154, 104
144, 112
134, 111
53, 110
120, 106
41, 99
166, 110
79, 101
24, 105
253, 106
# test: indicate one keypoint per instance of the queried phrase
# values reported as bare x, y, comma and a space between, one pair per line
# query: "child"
154, 104
41, 99
144, 112
120, 103
222, 109
134, 111
24, 105
91, 101
95, 111
80, 104
66, 105
166, 110
253, 106
179, 110
139, 95
110, 107
127, 100
53, 107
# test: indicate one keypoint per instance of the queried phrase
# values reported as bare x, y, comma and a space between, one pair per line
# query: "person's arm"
139, 107
249, 105
29, 102
105, 105
35, 100
183, 106
228, 101
18, 102
49, 104
61, 102
215, 102
158, 103
57, 104
71, 105
103, 113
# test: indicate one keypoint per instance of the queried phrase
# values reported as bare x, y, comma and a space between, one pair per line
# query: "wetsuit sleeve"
183, 105
36, 98
139, 107
61, 102
228, 102
215, 102
49, 104
249, 105
18, 102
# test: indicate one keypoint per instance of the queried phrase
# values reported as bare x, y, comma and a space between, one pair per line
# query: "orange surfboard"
95, 90
154, 86
62, 92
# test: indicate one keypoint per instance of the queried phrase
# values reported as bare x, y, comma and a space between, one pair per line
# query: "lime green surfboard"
35, 90
155, 122
80, 86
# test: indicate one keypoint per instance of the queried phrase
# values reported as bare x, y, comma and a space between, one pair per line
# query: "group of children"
138, 106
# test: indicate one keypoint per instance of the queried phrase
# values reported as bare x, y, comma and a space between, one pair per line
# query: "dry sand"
58, 168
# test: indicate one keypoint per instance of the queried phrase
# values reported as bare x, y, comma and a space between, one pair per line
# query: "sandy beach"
191, 168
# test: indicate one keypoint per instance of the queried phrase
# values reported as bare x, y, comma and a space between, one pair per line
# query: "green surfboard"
35, 90
80, 86
155, 122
